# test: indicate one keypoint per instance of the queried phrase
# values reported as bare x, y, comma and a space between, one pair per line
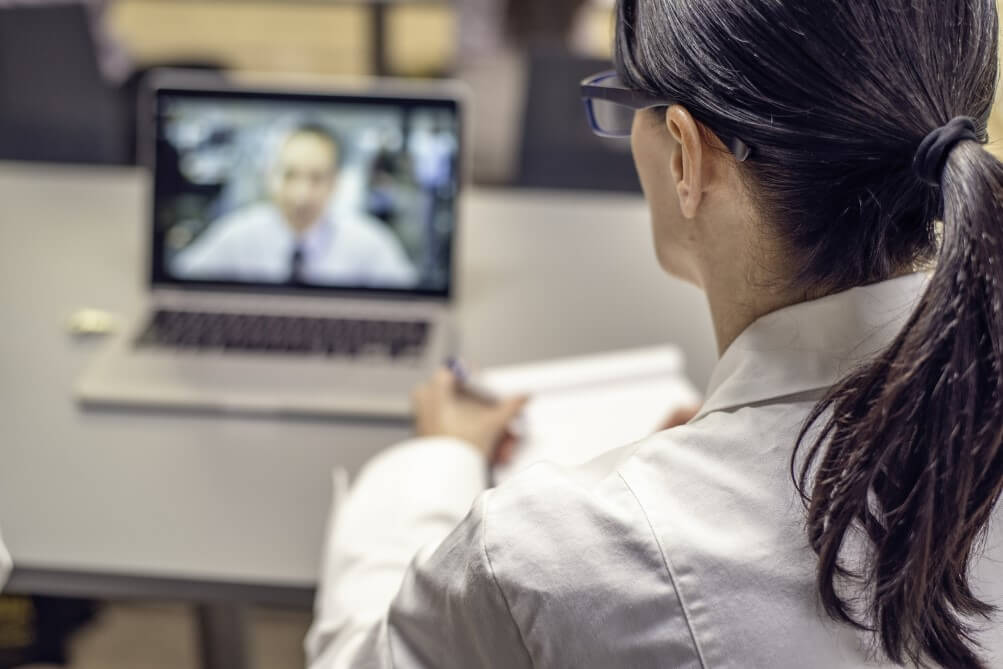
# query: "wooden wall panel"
267, 36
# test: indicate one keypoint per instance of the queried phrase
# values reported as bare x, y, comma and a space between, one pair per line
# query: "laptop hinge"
207, 300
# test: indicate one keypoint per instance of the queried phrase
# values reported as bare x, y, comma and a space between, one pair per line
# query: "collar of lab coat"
811, 346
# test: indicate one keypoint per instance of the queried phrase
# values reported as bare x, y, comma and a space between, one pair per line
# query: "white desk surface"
245, 499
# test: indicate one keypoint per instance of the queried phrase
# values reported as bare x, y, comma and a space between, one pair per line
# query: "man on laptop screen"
294, 236
301, 248
322, 196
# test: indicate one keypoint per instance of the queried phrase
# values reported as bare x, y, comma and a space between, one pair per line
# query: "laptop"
300, 248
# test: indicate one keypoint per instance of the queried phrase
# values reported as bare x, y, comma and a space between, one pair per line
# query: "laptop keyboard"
245, 333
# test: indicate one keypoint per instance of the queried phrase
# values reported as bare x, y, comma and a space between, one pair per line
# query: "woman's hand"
440, 410
680, 416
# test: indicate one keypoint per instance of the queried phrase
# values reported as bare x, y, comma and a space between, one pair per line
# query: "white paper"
583, 407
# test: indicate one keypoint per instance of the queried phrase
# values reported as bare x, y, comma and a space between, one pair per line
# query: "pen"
468, 386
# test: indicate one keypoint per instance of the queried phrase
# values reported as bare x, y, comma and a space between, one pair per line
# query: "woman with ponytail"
817, 168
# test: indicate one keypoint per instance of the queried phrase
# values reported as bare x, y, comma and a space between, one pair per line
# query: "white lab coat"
685, 550
255, 244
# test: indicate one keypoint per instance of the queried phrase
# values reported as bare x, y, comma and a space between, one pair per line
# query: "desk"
172, 505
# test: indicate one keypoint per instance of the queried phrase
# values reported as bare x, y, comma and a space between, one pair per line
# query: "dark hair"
836, 96
321, 130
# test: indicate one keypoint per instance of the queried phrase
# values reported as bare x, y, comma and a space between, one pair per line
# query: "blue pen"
468, 386
472, 390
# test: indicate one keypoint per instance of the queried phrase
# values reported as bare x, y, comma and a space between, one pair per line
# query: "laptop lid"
349, 190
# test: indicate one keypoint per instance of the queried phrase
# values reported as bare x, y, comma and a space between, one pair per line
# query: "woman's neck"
735, 308
741, 289
740, 297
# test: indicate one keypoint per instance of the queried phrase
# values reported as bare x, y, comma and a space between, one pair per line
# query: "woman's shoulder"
551, 507
575, 557
695, 471
683, 535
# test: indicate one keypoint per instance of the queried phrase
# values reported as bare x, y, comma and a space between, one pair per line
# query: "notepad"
583, 407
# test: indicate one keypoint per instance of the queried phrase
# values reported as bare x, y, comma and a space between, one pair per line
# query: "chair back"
558, 148
55, 105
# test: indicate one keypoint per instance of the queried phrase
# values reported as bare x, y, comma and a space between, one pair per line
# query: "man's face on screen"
304, 178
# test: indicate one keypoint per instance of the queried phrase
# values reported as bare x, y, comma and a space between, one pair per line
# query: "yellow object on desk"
92, 322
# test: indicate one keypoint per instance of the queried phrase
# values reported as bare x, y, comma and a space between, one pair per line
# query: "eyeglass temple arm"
640, 100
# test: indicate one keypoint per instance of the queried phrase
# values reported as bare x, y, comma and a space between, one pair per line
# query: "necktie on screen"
296, 274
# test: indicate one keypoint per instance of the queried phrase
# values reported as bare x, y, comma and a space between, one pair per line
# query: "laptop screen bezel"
160, 278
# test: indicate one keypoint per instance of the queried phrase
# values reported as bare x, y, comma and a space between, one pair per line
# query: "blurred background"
70, 71
509, 52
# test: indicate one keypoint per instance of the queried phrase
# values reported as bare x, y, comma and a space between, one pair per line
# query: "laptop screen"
305, 192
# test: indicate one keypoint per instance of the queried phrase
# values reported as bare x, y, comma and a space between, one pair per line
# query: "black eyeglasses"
611, 106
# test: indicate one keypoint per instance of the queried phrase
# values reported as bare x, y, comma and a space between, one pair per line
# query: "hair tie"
934, 150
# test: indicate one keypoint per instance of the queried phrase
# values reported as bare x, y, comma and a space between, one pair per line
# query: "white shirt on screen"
432, 154
687, 549
256, 245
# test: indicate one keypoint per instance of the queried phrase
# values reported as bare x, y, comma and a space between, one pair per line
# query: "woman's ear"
688, 161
